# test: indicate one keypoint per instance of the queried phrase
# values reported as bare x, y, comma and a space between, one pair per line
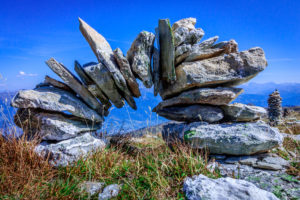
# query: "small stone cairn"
195, 80
275, 108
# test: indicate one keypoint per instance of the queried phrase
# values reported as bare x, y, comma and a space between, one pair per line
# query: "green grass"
145, 172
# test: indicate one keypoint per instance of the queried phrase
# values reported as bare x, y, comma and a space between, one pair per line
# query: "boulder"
139, 56
230, 139
54, 99
192, 113
243, 113
67, 151
227, 70
201, 187
75, 84
55, 83
167, 51
102, 77
52, 126
188, 23
104, 54
126, 72
212, 96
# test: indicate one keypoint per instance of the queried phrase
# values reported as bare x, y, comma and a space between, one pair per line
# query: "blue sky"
33, 31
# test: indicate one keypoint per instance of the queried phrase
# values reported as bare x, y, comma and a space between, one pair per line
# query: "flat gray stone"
52, 126
82, 75
243, 113
192, 113
227, 70
91, 187
230, 139
104, 54
183, 35
212, 96
102, 77
75, 84
97, 92
167, 51
109, 192
125, 69
188, 23
68, 151
139, 56
201, 187
55, 83
54, 99
156, 71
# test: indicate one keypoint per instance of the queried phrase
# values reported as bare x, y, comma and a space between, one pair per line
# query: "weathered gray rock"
66, 152
92, 87
227, 70
55, 83
126, 72
91, 187
187, 22
262, 161
104, 54
54, 99
192, 113
110, 192
183, 35
156, 71
230, 139
230, 46
102, 77
167, 51
201, 51
97, 92
201, 187
82, 75
52, 126
243, 113
211, 96
139, 56
75, 84
182, 49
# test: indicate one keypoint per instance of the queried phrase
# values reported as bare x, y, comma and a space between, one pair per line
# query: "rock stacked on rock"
66, 115
195, 80
200, 91
201, 87
274, 109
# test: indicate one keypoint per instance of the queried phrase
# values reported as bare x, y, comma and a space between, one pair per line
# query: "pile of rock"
66, 115
196, 82
197, 85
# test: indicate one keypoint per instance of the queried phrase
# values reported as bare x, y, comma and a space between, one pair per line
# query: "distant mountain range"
126, 119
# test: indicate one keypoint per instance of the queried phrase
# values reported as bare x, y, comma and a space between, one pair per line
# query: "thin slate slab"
126, 72
167, 51
75, 84
57, 84
52, 126
192, 113
227, 70
54, 99
212, 96
139, 56
102, 77
104, 54
91, 85
156, 71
